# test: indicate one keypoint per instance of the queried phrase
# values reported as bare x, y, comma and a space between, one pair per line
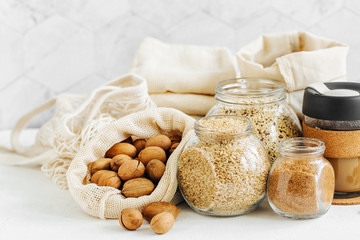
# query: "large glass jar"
263, 101
301, 181
223, 170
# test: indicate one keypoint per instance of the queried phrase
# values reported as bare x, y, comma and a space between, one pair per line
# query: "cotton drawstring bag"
107, 202
179, 75
295, 58
76, 121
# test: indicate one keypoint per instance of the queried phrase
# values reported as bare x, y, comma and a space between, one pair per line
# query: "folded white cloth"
192, 104
182, 68
295, 58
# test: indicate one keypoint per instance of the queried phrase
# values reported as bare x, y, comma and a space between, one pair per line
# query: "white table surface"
33, 207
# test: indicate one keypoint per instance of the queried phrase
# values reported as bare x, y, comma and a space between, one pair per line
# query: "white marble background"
49, 47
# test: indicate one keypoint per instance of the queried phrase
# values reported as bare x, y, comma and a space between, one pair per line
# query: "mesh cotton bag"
76, 121
107, 202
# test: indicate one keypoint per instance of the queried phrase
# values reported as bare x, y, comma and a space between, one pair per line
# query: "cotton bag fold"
295, 58
191, 70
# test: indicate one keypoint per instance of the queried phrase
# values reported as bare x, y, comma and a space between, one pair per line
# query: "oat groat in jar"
263, 101
223, 170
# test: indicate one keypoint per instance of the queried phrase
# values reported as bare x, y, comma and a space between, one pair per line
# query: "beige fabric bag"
183, 69
192, 104
107, 202
76, 121
295, 58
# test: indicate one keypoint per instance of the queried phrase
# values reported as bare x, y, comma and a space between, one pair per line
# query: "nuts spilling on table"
130, 219
162, 222
152, 209
160, 215
134, 167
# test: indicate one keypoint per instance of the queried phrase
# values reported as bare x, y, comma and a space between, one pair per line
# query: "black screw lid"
339, 108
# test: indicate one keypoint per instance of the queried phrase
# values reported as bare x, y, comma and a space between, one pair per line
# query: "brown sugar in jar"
301, 182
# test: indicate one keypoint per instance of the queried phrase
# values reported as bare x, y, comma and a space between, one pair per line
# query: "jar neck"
222, 128
250, 91
302, 148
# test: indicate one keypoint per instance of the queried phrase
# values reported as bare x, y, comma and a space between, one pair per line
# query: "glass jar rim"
250, 87
242, 129
301, 146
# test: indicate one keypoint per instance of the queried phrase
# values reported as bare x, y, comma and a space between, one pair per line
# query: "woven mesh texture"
107, 202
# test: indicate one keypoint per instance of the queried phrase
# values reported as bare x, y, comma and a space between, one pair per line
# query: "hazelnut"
100, 164
159, 140
131, 169
110, 179
137, 187
121, 148
155, 169
139, 144
150, 153
95, 178
150, 210
161, 223
130, 219
118, 160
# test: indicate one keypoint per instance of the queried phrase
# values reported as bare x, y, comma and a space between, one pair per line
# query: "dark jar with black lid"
332, 114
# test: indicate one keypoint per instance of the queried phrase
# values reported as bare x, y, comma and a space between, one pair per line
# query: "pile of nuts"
134, 167
160, 215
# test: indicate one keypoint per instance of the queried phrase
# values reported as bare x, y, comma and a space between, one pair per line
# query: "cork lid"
338, 101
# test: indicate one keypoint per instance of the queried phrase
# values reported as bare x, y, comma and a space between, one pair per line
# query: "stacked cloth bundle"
184, 76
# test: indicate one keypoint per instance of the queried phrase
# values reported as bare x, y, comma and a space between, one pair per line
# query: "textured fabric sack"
76, 121
295, 58
183, 69
107, 202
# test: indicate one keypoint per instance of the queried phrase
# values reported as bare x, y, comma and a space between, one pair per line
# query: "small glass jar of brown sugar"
301, 182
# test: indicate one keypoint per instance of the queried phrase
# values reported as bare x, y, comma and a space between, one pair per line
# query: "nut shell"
173, 147
155, 169
150, 153
121, 148
110, 179
130, 218
118, 160
159, 140
95, 178
100, 164
131, 169
150, 210
137, 187
162, 222
139, 144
